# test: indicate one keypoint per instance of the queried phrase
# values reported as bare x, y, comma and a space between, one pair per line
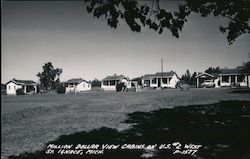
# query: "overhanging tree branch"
137, 15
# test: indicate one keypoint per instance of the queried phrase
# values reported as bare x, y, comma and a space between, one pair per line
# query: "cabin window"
14, 87
164, 80
112, 83
9, 87
30, 88
105, 83
240, 78
88, 85
83, 84
154, 81
225, 79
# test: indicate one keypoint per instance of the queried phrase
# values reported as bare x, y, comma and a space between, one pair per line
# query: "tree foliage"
96, 83
61, 89
20, 91
50, 77
246, 66
138, 14
119, 87
212, 70
188, 78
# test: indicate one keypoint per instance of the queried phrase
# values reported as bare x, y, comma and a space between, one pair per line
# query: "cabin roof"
205, 74
22, 82
235, 71
76, 80
159, 74
114, 77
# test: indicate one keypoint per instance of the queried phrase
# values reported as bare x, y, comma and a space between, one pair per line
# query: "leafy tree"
138, 14
212, 70
50, 77
246, 69
193, 79
96, 83
61, 89
246, 66
119, 87
3, 86
20, 91
188, 78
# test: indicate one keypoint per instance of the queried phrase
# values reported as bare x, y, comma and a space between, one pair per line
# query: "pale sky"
63, 33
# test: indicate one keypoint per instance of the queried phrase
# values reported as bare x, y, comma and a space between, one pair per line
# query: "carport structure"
200, 78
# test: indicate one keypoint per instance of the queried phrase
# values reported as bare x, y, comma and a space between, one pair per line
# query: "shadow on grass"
246, 90
221, 128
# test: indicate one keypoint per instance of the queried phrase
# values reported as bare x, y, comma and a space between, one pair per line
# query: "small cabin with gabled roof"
226, 78
28, 86
110, 82
160, 80
77, 85
233, 77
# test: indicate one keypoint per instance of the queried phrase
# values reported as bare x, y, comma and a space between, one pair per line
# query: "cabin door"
159, 82
233, 80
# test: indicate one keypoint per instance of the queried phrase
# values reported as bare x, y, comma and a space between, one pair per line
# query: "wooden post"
25, 89
248, 80
197, 83
35, 89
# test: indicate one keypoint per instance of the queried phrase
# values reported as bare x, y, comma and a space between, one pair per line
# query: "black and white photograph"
125, 79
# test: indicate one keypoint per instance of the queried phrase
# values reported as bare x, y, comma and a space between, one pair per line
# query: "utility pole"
162, 66
161, 70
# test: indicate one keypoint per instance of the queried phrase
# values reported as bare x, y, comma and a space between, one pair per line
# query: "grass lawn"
30, 122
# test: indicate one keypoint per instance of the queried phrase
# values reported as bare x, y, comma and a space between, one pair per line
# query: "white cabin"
110, 82
160, 80
28, 86
226, 78
77, 85
233, 77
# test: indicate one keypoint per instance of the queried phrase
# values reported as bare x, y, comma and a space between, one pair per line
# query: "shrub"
20, 91
61, 89
96, 83
185, 86
3, 92
119, 87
